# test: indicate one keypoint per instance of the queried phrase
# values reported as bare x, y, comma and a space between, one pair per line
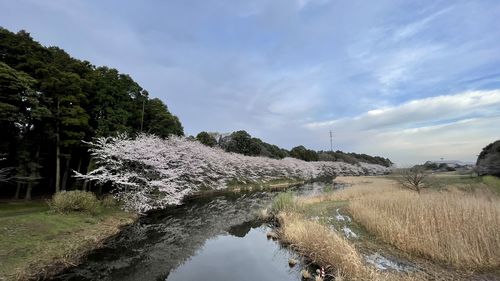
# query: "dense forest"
52, 104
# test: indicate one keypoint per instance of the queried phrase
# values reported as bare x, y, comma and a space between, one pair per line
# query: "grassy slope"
35, 240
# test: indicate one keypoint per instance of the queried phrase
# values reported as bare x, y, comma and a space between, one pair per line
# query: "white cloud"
271, 66
433, 109
400, 65
461, 140
417, 26
304, 3
450, 126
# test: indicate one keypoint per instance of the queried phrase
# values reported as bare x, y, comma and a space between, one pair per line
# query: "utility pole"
331, 140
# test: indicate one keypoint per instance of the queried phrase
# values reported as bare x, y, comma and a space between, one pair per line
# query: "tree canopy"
206, 139
51, 102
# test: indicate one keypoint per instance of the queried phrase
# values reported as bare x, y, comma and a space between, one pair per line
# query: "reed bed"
457, 228
328, 248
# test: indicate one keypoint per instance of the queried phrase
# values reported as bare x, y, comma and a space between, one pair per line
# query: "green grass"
440, 180
325, 208
33, 237
284, 202
465, 181
492, 182
326, 211
16, 208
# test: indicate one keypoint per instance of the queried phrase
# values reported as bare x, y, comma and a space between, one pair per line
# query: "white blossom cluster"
149, 172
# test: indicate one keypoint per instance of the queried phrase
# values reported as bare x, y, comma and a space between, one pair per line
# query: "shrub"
75, 201
284, 202
492, 182
109, 201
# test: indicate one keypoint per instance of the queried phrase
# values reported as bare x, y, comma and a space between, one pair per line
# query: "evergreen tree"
50, 102
206, 139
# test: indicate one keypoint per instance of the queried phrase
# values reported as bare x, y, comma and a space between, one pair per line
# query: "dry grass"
327, 248
455, 227
360, 187
321, 244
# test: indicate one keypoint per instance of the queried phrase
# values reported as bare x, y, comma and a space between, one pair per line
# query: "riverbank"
373, 230
36, 242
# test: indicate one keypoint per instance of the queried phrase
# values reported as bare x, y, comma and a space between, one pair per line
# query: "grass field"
35, 241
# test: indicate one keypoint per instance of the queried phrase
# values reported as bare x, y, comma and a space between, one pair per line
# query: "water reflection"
157, 244
251, 257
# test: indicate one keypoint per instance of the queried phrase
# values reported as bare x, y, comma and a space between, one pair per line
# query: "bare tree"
412, 178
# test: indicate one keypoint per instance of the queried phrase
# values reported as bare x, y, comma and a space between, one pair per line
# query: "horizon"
410, 82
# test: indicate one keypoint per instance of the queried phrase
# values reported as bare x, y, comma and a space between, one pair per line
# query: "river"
206, 238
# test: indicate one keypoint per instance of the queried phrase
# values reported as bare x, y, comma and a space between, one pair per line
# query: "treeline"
351, 158
243, 143
51, 102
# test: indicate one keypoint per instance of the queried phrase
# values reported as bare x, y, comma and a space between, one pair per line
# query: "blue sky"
410, 80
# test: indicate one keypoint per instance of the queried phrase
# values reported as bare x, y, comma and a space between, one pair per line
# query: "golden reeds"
460, 229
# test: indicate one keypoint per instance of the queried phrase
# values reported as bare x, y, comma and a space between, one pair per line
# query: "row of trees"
148, 172
243, 143
51, 102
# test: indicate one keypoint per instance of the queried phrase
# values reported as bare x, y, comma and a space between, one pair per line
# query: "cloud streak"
451, 126
436, 109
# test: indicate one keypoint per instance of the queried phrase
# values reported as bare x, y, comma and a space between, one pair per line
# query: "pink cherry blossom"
149, 172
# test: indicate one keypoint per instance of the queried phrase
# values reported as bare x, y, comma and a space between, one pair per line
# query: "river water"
207, 238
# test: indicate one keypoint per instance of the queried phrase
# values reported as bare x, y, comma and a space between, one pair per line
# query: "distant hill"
448, 165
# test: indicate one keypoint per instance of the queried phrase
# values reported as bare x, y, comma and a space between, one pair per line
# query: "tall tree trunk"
78, 168
18, 190
86, 182
66, 172
58, 153
34, 175
28, 191
79, 165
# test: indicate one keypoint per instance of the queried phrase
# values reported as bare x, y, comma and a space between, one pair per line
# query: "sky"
408, 80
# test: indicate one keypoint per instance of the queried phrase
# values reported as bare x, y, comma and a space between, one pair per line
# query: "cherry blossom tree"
149, 172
